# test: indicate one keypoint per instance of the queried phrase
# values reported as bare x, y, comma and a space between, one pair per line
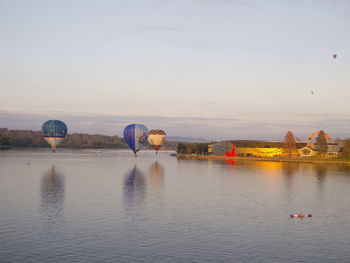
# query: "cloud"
235, 2
258, 128
160, 28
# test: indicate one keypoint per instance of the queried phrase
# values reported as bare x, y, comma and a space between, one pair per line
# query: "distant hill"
186, 139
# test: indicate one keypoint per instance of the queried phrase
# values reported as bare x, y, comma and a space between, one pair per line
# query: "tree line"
34, 139
189, 148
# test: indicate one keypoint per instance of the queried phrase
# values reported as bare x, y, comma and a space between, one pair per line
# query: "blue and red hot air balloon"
136, 136
54, 132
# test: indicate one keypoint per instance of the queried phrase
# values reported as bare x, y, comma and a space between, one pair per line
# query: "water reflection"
269, 169
134, 187
321, 171
288, 174
52, 196
156, 175
344, 169
232, 163
288, 170
156, 178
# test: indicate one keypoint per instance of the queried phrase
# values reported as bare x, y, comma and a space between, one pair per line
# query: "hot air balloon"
54, 132
156, 139
334, 55
135, 136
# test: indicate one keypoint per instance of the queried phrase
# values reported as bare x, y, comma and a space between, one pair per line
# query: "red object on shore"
233, 152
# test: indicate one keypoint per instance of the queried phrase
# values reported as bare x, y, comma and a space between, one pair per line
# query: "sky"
213, 69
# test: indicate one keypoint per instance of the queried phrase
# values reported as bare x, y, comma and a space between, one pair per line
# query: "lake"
107, 206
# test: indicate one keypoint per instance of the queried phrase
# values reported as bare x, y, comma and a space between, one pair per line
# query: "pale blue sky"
216, 69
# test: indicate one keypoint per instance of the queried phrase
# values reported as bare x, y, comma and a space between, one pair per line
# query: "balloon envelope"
156, 138
54, 132
135, 136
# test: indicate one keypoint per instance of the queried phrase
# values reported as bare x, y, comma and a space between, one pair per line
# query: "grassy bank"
335, 160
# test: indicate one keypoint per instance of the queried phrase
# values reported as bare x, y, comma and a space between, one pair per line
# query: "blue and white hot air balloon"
136, 136
54, 132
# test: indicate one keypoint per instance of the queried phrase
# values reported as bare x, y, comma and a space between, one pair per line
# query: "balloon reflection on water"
156, 174
134, 187
52, 196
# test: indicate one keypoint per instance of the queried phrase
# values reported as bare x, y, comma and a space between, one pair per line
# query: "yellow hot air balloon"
156, 139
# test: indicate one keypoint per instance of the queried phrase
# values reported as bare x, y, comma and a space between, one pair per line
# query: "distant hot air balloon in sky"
54, 132
156, 139
135, 136
334, 55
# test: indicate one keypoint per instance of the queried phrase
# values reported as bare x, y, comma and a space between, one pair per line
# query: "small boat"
294, 215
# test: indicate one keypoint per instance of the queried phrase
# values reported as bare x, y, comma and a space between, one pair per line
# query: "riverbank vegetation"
346, 149
289, 143
192, 148
321, 143
34, 139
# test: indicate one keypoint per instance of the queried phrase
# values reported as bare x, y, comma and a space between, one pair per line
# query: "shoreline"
264, 159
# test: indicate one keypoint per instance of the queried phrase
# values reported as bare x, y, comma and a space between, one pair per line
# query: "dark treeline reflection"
52, 196
134, 187
289, 170
320, 170
345, 169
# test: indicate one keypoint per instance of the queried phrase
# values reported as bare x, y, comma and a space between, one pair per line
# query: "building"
335, 147
264, 149
249, 148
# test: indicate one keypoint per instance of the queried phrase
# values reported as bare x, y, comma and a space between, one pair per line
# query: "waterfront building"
264, 149
251, 148
335, 147
220, 148
254, 148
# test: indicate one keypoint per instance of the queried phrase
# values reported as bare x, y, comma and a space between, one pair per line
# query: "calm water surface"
91, 206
